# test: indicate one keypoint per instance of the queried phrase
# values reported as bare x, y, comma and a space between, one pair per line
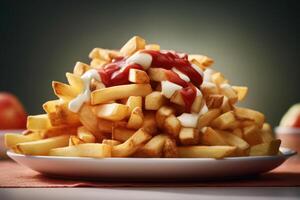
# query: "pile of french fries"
138, 120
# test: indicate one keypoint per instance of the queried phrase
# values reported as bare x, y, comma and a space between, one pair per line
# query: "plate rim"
285, 153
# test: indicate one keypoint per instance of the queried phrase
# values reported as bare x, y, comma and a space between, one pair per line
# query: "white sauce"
188, 119
181, 75
197, 69
168, 88
85, 96
140, 58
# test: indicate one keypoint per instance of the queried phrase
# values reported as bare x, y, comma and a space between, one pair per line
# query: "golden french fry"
228, 91
170, 149
42, 147
130, 146
154, 100
136, 119
12, 139
209, 88
152, 47
212, 137
252, 135
265, 149
111, 142
189, 136
113, 111
138, 76
88, 118
246, 113
50, 106
85, 135
149, 124
157, 74
38, 122
75, 82
60, 130
208, 117
98, 63
105, 126
119, 92
133, 102
64, 91
172, 126
122, 134
218, 78
217, 152
200, 60
266, 133
162, 114
224, 121
75, 140
241, 92
133, 45
93, 150
80, 68
153, 148
238, 132
214, 101
234, 140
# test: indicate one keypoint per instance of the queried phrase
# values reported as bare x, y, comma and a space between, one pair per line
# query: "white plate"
151, 168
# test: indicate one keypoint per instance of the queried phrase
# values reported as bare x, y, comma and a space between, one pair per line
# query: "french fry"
84, 135
88, 118
38, 122
64, 91
189, 136
226, 106
133, 45
266, 133
224, 121
238, 132
149, 124
111, 142
50, 106
226, 90
246, 113
75, 140
170, 149
153, 148
234, 140
241, 92
214, 101
113, 111
152, 47
154, 100
138, 76
208, 117
252, 135
75, 82
104, 54
93, 150
211, 137
265, 149
172, 126
122, 134
12, 139
157, 74
178, 99
201, 61
247, 122
217, 152
130, 146
98, 63
42, 147
60, 130
208, 88
80, 68
218, 78
133, 102
136, 119
162, 114
119, 92
105, 126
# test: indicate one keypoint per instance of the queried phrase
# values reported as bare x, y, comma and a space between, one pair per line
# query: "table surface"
180, 193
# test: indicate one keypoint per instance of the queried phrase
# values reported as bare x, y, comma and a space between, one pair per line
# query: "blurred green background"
254, 43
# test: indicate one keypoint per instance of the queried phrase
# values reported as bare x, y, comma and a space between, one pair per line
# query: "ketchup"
117, 72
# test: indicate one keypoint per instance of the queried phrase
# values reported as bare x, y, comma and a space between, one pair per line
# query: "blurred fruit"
12, 113
292, 117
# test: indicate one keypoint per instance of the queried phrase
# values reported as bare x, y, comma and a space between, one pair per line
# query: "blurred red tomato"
12, 113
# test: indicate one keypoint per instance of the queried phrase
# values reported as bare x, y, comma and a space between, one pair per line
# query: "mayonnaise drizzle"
181, 75
143, 59
85, 96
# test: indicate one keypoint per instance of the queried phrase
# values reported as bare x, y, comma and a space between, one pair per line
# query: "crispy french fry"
153, 148
113, 111
149, 124
170, 149
154, 100
12, 139
229, 92
119, 92
201, 61
75, 140
152, 47
138, 76
42, 147
162, 114
226, 106
85, 135
130, 146
218, 78
64, 91
265, 149
246, 113
234, 140
75, 82
80, 68
212, 137
133, 45
104, 54
217, 152
157, 74
266, 133
50, 106
111, 142
93, 150
214, 101
105, 126
60, 130
133, 102
252, 135
136, 119
88, 118
209, 88
38, 122
189, 136
122, 134
224, 121
241, 92
238, 132
98, 63
208, 117
172, 126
